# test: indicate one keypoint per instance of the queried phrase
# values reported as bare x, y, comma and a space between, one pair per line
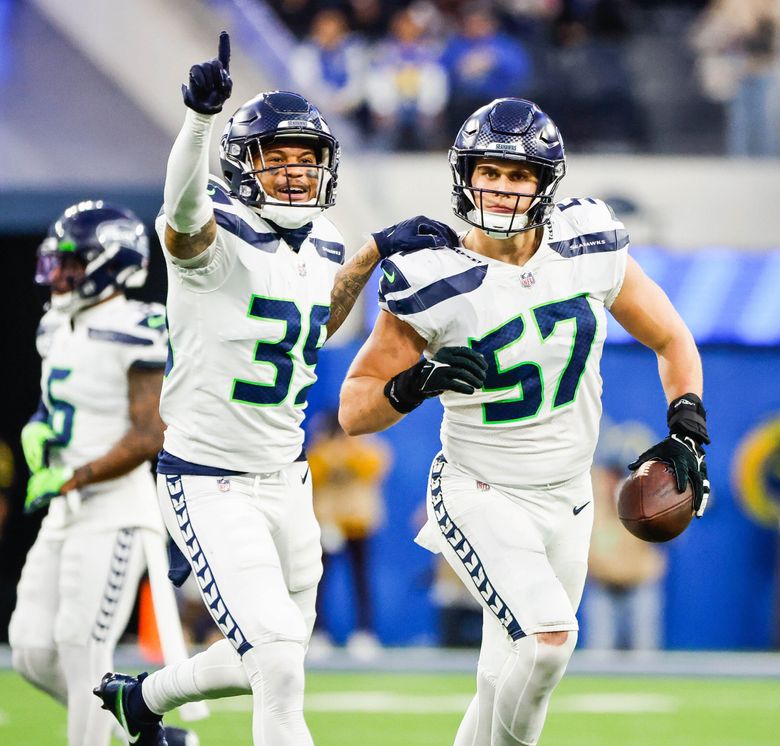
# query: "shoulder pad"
136, 323
49, 323
415, 281
581, 226
327, 240
150, 315
219, 191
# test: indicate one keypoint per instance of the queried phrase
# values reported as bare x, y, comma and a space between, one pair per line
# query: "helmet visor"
58, 265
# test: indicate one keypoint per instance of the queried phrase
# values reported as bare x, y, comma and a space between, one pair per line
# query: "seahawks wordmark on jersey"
245, 331
84, 388
541, 328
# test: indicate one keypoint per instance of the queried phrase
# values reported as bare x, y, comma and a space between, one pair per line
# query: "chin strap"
293, 236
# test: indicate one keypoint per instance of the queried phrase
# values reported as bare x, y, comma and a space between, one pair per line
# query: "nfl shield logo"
482, 486
223, 485
527, 279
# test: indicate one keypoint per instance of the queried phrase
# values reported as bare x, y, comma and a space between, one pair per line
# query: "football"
650, 506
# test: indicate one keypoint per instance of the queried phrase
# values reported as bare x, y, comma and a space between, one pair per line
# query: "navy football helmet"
276, 116
511, 129
111, 244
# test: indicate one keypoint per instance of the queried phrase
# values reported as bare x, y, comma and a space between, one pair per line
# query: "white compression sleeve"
186, 204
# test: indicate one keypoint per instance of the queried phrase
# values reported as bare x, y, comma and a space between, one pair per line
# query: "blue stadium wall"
720, 584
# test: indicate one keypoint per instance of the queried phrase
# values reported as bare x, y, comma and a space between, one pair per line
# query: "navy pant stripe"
468, 557
112, 593
200, 566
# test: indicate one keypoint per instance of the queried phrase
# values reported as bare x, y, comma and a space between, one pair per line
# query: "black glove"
458, 369
682, 450
210, 84
416, 233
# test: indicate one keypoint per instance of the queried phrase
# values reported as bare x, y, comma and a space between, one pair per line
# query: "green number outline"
499, 369
573, 344
288, 353
61, 407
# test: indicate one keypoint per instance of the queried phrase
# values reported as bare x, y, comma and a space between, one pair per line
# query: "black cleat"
181, 737
114, 690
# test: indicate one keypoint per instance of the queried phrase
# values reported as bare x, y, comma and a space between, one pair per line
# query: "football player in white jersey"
255, 285
88, 448
511, 322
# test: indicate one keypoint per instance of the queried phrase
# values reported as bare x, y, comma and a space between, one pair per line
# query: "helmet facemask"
249, 159
297, 178
468, 201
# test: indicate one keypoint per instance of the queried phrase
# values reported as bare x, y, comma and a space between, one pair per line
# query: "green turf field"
424, 710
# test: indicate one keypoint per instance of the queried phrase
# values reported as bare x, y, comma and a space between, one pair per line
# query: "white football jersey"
245, 331
541, 328
84, 387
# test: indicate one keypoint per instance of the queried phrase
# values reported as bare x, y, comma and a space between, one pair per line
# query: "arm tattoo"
142, 440
350, 280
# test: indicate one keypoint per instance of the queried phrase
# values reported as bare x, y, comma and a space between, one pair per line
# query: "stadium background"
90, 106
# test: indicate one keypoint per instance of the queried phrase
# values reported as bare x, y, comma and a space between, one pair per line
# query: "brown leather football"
650, 506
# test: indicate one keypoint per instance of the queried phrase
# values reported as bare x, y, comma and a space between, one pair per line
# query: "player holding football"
511, 321
255, 285
88, 448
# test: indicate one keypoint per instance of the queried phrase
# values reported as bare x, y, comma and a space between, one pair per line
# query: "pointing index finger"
224, 50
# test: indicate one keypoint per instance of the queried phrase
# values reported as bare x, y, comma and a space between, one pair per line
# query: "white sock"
216, 672
275, 671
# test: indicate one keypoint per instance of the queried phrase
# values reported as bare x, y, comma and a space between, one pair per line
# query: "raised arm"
416, 233
191, 227
350, 281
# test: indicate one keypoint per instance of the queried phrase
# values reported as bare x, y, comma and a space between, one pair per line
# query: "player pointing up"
511, 320
256, 282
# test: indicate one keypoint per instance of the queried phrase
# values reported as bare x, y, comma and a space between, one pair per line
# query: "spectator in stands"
406, 88
592, 85
370, 17
332, 63
482, 64
347, 474
737, 42
296, 14
623, 599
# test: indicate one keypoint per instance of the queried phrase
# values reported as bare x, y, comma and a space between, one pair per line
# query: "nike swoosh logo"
390, 277
577, 509
303, 478
122, 719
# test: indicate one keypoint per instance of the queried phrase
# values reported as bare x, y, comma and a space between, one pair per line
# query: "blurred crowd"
408, 73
